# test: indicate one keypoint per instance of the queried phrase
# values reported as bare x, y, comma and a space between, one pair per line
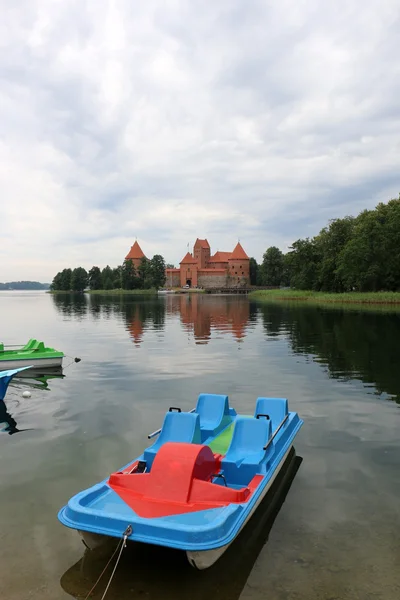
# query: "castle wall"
173, 277
239, 268
208, 280
218, 265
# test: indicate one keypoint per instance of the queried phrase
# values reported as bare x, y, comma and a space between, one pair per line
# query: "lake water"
336, 535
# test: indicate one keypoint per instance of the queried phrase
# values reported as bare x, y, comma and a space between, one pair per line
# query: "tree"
330, 242
169, 266
79, 279
303, 262
157, 271
62, 281
117, 277
287, 269
128, 275
272, 267
144, 272
108, 283
55, 284
95, 279
370, 261
107, 278
253, 271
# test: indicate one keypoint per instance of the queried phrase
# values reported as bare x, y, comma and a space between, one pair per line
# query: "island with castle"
200, 269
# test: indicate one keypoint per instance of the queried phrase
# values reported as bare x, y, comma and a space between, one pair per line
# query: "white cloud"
172, 120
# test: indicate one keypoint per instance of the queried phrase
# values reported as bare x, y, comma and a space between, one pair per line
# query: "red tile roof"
135, 252
188, 258
239, 253
220, 257
202, 243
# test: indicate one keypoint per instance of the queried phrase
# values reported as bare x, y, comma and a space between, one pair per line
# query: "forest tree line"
24, 285
149, 274
359, 253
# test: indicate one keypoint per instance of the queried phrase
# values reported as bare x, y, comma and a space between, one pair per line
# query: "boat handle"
171, 408
157, 431
221, 476
258, 415
272, 436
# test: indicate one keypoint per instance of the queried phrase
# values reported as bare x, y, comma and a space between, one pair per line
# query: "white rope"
127, 533
115, 567
104, 570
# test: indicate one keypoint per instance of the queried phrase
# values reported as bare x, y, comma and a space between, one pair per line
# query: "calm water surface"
335, 536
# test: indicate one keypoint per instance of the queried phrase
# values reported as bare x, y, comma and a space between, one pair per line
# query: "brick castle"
200, 269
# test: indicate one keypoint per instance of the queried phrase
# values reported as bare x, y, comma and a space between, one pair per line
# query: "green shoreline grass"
348, 298
148, 292
114, 292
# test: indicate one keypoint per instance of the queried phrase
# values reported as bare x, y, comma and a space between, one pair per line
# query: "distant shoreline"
5, 287
115, 292
119, 291
346, 298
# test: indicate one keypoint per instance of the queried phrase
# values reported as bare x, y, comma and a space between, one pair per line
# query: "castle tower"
188, 270
201, 253
239, 266
135, 254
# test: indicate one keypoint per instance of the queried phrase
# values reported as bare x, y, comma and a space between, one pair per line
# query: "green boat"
33, 354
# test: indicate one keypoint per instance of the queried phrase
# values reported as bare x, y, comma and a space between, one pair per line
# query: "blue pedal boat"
197, 485
6, 377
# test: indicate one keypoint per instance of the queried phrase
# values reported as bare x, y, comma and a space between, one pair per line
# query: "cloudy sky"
168, 120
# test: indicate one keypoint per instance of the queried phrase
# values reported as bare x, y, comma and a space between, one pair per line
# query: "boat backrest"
276, 408
180, 427
249, 437
37, 346
177, 427
214, 412
29, 345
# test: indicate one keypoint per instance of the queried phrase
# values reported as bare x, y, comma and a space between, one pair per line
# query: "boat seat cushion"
246, 451
248, 440
214, 414
276, 408
177, 427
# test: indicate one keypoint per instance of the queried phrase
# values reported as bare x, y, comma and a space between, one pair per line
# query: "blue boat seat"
177, 427
246, 450
276, 408
248, 440
214, 413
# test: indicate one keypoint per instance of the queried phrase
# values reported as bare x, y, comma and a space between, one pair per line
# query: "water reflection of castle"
352, 345
202, 316
198, 315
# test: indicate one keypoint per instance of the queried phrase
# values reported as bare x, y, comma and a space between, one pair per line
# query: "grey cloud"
172, 120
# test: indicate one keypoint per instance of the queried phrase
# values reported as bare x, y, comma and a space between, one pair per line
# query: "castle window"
240, 267
235, 272
242, 272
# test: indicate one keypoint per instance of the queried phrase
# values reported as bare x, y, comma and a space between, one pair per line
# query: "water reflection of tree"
142, 316
138, 314
71, 305
198, 314
352, 344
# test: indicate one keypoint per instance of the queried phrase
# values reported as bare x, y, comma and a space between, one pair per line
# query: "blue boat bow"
5, 378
